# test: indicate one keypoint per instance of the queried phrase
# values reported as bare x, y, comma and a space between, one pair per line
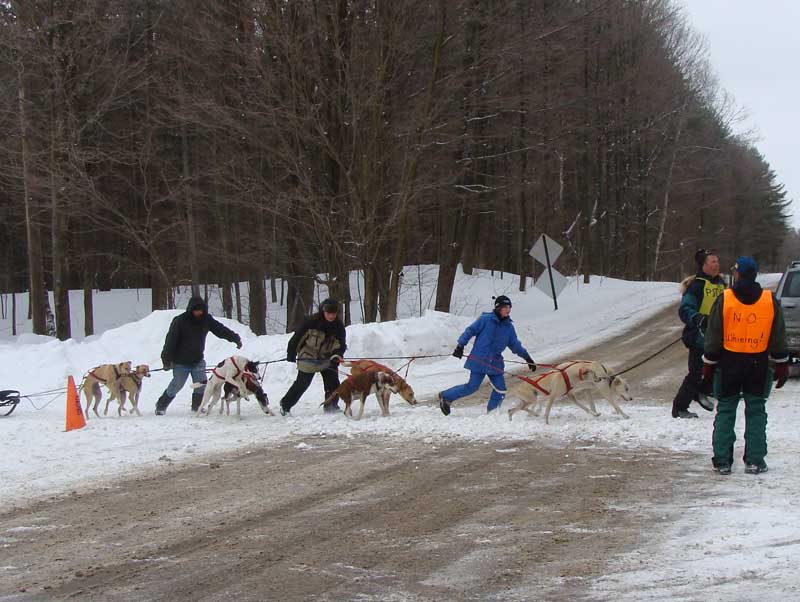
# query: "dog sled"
9, 400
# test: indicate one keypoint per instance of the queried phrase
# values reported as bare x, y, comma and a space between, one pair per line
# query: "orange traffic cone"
75, 419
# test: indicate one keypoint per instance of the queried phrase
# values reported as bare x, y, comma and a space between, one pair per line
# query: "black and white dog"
233, 380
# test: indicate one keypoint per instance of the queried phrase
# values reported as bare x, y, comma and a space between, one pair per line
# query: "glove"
781, 374
291, 358
335, 361
531, 363
700, 321
167, 364
238, 343
458, 352
708, 377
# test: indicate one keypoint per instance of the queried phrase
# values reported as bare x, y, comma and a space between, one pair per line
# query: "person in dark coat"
745, 330
183, 351
493, 332
699, 293
317, 346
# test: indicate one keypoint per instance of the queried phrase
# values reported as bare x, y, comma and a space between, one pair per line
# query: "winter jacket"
317, 339
694, 291
186, 339
492, 336
747, 292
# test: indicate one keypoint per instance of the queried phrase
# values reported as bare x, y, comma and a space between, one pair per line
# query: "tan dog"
564, 381
129, 384
108, 375
382, 384
404, 390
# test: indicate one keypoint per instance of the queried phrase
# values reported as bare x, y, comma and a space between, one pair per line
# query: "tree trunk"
88, 303
448, 264
667, 185
194, 266
36, 305
371, 292
238, 295
58, 234
227, 300
258, 305
14, 314
299, 301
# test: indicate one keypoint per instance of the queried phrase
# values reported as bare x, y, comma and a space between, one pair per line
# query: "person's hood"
747, 291
196, 303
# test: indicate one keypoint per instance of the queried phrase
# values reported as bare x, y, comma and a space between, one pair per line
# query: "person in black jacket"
183, 351
699, 294
317, 346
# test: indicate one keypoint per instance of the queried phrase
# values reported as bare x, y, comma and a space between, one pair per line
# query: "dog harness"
235, 365
245, 374
93, 374
534, 382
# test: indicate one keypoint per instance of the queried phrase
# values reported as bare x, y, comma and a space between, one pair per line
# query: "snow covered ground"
736, 540
40, 459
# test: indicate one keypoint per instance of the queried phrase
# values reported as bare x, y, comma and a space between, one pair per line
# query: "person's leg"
459, 391
755, 430
690, 387
198, 376
498, 391
757, 388
297, 389
179, 375
330, 380
724, 435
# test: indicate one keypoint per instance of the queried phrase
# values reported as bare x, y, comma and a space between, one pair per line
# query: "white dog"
565, 380
233, 379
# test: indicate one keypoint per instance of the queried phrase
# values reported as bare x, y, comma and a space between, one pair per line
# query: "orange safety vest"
746, 328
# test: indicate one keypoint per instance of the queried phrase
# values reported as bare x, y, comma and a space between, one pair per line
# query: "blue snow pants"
475, 380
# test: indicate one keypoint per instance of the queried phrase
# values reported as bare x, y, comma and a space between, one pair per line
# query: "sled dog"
565, 380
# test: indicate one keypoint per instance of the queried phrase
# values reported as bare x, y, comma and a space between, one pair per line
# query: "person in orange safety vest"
745, 330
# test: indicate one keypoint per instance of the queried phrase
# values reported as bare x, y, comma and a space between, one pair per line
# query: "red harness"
235, 365
534, 382
102, 380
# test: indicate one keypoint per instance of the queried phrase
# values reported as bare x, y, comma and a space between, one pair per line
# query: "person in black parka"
183, 351
317, 346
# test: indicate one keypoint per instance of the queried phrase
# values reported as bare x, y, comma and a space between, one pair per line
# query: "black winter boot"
162, 403
197, 399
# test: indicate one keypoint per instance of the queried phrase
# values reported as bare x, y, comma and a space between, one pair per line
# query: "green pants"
755, 430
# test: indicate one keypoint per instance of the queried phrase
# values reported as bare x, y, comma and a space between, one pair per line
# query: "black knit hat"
501, 301
701, 256
330, 305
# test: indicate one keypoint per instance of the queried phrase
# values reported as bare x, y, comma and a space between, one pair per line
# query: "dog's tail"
197, 385
329, 401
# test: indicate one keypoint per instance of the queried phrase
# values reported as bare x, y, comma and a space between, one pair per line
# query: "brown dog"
403, 389
382, 384
108, 375
129, 384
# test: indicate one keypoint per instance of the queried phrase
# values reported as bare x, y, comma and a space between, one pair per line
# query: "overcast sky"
755, 49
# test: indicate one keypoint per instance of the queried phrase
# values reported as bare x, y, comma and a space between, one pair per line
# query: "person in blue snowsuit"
493, 332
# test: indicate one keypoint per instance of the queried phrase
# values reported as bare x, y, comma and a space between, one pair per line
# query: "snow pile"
40, 458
